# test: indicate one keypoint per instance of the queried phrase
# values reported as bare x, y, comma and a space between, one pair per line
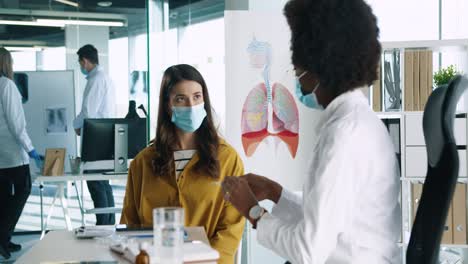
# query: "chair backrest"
442, 172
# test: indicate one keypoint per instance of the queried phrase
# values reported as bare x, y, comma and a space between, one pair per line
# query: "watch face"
255, 212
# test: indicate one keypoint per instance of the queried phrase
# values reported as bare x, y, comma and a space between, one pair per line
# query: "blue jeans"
101, 193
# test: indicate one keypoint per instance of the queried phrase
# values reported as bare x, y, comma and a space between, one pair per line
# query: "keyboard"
97, 171
115, 173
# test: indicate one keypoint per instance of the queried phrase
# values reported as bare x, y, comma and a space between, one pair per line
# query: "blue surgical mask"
189, 118
84, 71
309, 100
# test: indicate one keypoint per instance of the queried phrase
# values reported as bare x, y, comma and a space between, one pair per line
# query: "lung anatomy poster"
271, 130
269, 109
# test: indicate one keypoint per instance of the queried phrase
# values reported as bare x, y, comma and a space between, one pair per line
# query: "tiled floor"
26, 241
30, 219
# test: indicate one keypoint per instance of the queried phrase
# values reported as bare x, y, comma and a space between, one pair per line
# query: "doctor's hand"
236, 190
34, 155
263, 188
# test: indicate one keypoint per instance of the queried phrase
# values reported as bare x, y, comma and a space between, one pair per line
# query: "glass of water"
168, 226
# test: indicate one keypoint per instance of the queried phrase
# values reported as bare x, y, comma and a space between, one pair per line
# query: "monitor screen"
98, 138
21, 81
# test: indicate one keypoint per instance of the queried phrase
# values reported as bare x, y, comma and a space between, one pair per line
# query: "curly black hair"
336, 40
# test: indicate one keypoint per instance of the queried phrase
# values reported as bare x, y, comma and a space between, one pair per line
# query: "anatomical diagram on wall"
269, 109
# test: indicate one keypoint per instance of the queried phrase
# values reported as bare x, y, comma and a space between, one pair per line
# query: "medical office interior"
235, 45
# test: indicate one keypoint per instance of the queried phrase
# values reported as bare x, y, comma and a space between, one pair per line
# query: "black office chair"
442, 173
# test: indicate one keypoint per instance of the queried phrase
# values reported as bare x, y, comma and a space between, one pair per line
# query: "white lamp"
10, 48
67, 2
63, 22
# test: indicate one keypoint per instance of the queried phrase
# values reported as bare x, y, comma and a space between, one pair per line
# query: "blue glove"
38, 159
39, 164
34, 155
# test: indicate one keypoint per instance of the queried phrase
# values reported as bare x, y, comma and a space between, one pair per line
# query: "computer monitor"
101, 140
21, 81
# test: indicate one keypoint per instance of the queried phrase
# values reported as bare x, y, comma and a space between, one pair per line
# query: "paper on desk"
94, 231
193, 252
82, 262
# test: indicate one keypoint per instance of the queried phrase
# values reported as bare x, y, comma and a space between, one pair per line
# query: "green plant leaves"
444, 75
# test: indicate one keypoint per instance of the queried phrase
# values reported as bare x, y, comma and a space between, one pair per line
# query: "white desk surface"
80, 177
62, 246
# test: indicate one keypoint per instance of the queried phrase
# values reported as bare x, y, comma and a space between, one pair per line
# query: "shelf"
400, 244
433, 44
453, 246
390, 115
410, 179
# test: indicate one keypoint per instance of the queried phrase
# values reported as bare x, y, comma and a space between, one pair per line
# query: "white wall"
401, 20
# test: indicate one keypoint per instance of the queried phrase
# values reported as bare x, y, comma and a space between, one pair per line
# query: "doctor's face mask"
190, 118
187, 105
83, 70
309, 100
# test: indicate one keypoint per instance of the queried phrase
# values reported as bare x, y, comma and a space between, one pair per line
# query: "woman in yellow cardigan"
185, 165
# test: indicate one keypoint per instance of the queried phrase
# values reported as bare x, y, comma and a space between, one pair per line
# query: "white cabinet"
416, 162
414, 131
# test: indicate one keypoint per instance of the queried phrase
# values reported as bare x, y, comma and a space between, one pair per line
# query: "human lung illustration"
282, 112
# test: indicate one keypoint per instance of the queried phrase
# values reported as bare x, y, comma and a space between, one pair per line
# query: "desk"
63, 246
59, 194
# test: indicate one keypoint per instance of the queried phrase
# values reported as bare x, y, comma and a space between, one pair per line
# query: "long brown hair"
206, 137
6, 64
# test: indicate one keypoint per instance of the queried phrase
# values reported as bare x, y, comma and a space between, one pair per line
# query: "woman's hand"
263, 188
236, 190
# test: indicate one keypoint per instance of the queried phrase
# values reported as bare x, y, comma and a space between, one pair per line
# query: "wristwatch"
255, 213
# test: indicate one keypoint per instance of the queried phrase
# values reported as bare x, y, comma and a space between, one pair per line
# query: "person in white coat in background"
15, 151
98, 102
349, 211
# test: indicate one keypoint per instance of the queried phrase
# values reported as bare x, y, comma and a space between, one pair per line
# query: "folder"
408, 76
459, 214
416, 81
430, 72
377, 93
447, 235
416, 191
423, 79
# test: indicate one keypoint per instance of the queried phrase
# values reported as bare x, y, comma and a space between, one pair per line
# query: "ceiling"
134, 10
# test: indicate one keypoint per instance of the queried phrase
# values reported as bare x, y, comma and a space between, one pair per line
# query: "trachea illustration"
269, 109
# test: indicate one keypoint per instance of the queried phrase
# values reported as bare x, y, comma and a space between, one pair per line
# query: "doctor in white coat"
98, 102
349, 211
16, 149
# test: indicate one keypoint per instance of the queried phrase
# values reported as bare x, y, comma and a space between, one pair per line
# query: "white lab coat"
98, 97
350, 210
14, 139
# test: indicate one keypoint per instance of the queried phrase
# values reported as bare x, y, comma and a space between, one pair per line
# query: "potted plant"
445, 75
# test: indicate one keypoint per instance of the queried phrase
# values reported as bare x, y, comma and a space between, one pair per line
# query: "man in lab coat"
98, 102
349, 211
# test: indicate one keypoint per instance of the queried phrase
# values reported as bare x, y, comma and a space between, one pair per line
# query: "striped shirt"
181, 158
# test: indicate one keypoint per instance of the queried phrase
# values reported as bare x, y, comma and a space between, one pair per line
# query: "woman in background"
185, 165
15, 151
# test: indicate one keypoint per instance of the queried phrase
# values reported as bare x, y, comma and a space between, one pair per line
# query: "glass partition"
189, 32
119, 32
